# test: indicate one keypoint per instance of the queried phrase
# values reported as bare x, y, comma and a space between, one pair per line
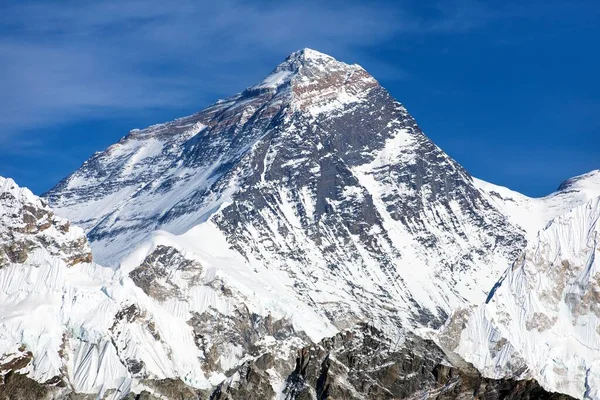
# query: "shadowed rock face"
17, 386
363, 364
154, 275
357, 364
216, 334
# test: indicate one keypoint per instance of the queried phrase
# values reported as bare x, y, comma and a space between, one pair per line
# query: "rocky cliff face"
28, 226
362, 363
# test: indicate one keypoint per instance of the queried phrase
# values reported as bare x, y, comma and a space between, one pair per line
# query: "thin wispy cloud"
70, 60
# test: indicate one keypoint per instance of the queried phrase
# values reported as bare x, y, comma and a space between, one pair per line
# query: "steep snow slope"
315, 174
45, 287
541, 319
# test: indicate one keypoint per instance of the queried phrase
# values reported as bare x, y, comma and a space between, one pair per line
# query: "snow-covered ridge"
317, 83
44, 267
292, 66
90, 329
533, 214
589, 183
541, 319
284, 72
7, 185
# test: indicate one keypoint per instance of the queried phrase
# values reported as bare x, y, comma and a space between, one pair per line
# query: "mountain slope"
312, 202
174, 328
316, 173
45, 289
77, 327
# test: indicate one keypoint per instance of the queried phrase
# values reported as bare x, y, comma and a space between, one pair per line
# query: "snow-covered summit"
307, 54
305, 62
315, 83
8, 186
328, 179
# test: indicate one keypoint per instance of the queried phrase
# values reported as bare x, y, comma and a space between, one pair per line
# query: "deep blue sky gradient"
510, 89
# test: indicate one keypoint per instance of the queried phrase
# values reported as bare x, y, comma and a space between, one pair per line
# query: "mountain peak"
9, 187
317, 82
307, 54
311, 62
304, 66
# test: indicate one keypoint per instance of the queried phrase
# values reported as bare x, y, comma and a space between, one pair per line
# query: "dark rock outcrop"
363, 364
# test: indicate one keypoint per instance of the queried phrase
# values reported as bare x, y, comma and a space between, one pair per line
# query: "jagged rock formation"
28, 224
363, 363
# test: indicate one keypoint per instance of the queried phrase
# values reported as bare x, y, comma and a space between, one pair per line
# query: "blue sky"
510, 89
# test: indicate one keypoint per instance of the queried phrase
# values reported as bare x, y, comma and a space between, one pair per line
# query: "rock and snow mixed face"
44, 268
316, 174
164, 318
28, 225
174, 320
